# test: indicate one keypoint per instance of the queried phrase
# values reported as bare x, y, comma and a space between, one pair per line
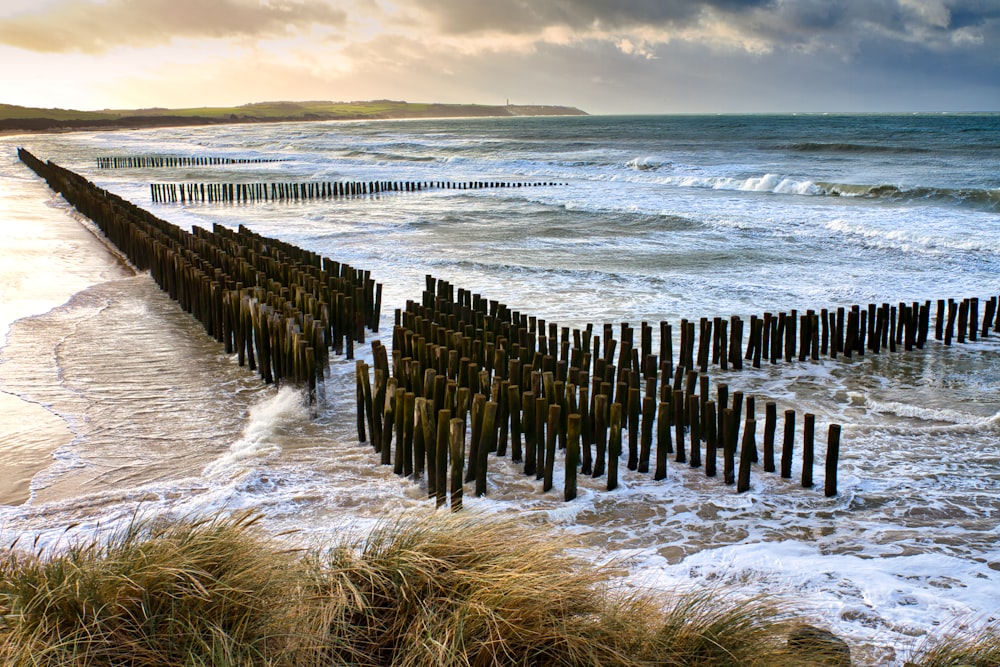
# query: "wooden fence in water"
464, 367
170, 161
309, 190
283, 310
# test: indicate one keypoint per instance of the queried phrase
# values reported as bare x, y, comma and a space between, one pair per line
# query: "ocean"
116, 403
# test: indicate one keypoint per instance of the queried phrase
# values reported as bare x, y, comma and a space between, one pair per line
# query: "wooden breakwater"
283, 310
310, 190
167, 161
469, 379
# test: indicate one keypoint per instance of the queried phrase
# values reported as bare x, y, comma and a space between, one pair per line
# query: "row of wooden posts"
464, 369
308, 190
156, 161
280, 308
843, 332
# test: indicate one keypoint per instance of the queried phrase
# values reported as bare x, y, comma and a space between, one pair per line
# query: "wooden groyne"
168, 161
283, 310
310, 190
470, 378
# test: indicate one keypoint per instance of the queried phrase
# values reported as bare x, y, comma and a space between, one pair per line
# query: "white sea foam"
266, 419
914, 240
864, 599
773, 183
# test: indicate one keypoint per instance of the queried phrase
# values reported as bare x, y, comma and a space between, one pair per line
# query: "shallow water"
659, 219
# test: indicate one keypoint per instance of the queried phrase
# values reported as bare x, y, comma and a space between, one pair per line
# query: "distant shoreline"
17, 120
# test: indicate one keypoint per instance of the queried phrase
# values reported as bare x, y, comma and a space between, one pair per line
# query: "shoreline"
49, 255
134, 120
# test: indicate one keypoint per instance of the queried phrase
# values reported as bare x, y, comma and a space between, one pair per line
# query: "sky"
603, 56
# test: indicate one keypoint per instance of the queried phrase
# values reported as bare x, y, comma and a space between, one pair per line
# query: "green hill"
14, 118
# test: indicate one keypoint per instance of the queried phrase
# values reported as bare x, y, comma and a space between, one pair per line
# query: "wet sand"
47, 254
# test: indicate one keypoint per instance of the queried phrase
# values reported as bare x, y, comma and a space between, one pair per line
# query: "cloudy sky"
604, 56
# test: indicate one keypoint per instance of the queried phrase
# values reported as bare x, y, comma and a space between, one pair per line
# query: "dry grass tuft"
979, 649
444, 590
204, 592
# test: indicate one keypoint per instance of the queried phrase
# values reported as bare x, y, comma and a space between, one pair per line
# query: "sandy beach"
48, 255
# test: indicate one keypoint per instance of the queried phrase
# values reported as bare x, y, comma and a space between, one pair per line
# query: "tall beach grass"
439, 590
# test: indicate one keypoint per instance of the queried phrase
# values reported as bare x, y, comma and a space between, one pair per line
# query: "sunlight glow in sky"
627, 56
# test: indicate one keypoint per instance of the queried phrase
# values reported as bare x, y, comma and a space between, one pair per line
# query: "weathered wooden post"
514, 411
646, 446
457, 462
487, 442
528, 426
441, 461
615, 445
678, 412
600, 433
551, 435
770, 426
711, 439
786, 449
663, 444
832, 455
572, 455
729, 445
808, 444
746, 457
694, 419
541, 421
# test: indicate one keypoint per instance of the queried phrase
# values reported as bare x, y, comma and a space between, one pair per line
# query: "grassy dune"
446, 590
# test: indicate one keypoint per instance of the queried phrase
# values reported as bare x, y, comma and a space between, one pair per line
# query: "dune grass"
961, 649
441, 590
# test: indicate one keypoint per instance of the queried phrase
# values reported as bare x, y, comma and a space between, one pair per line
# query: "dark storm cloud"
837, 25
79, 25
521, 16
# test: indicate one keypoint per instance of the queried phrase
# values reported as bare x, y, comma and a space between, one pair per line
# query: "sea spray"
267, 418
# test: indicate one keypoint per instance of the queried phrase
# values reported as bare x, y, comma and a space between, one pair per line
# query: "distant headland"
17, 118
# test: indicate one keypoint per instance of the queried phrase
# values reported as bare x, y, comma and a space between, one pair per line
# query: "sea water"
653, 218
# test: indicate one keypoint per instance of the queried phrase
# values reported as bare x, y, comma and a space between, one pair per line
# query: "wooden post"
808, 449
457, 462
528, 426
770, 426
695, 431
360, 370
551, 435
541, 419
441, 461
711, 439
587, 462
663, 444
832, 455
514, 411
678, 413
478, 417
615, 445
646, 445
746, 457
572, 455
429, 424
729, 445
409, 403
786, 449
634, 400
600, 433
389, 421
487, 442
